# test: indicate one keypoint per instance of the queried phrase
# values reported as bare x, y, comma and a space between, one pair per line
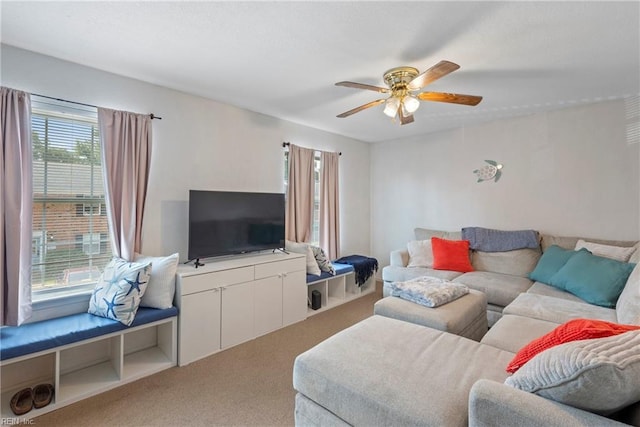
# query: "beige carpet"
247, 385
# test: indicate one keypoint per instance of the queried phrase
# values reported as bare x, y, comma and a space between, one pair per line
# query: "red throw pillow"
451, 255
573, 330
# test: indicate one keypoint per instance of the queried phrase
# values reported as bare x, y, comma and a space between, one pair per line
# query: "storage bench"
83, 355
336, 289
465, 316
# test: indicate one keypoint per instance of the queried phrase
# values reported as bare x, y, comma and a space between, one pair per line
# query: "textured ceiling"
283, 58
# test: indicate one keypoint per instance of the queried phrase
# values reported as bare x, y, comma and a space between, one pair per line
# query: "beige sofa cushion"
511, 333
540, 288
402, 274
427, 234
500, 289
570, 242
520, 262
556, 310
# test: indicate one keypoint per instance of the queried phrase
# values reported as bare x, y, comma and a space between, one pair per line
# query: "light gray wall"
199, 144
567, 172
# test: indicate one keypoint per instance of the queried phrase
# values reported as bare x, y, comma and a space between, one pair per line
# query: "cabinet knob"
284, 274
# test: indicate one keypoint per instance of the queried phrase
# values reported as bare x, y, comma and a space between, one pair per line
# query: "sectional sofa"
502, 276
384, 371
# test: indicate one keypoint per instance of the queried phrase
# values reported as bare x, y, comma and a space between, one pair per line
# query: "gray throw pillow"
599, 375
323, 260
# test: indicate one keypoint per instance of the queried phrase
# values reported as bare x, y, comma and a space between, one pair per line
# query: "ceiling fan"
402, 82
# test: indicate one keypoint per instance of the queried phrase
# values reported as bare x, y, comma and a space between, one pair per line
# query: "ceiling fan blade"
360, 108
363, 86
453, 98
439, 70
404, 119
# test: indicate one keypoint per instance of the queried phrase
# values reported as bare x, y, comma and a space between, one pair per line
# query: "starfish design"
131, 310
111, 305
135, 284
95, 295
113, 280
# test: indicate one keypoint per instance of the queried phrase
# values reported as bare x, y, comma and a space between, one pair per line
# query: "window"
315, 225
87, 209
91, 243
70, 230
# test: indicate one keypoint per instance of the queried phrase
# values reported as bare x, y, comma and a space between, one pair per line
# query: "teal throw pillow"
551, 261
595, 279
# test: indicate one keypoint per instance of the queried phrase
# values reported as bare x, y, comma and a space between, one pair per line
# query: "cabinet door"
199, 324
237, 314
268, 298
294, 297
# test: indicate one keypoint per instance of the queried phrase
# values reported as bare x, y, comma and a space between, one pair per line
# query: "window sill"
49, 306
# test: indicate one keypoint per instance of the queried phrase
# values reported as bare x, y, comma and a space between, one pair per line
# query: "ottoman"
465, 316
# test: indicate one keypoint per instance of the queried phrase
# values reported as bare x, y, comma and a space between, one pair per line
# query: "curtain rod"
286, 144
153, 116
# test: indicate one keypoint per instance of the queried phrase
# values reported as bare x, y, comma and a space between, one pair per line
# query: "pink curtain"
126, 160
16, 206
299, 215
329, 205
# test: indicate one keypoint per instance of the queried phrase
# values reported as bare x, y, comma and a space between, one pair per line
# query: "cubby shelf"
88, 367
338, 290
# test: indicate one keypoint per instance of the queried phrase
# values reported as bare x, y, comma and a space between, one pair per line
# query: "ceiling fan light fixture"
391, 106
410, 104
401, 83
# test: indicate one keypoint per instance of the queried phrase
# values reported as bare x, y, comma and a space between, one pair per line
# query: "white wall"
199, 144
566, 172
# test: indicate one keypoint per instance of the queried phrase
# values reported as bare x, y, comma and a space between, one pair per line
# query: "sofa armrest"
494, 404
399, 258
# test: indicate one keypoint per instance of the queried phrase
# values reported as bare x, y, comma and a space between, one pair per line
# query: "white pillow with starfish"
118, 293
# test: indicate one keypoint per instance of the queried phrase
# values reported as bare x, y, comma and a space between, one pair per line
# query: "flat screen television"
231, 222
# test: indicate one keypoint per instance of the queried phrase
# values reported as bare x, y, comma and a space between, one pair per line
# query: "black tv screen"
229, 222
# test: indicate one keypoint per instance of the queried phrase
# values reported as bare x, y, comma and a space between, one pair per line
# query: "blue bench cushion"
340, 269
33, 337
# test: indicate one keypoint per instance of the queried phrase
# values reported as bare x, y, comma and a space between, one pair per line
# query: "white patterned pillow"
618, 253
305, 249
323, 260
420, 253
162, 283
118, 293
599, 375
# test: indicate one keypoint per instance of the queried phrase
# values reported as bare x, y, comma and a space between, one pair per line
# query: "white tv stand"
229, 301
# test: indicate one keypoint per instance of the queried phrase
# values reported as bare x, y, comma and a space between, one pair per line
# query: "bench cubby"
90, 366
338, 289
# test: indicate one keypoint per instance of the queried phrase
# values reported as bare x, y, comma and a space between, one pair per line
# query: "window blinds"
70, 232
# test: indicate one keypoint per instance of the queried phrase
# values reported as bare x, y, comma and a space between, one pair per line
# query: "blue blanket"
489, 240
364, 266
